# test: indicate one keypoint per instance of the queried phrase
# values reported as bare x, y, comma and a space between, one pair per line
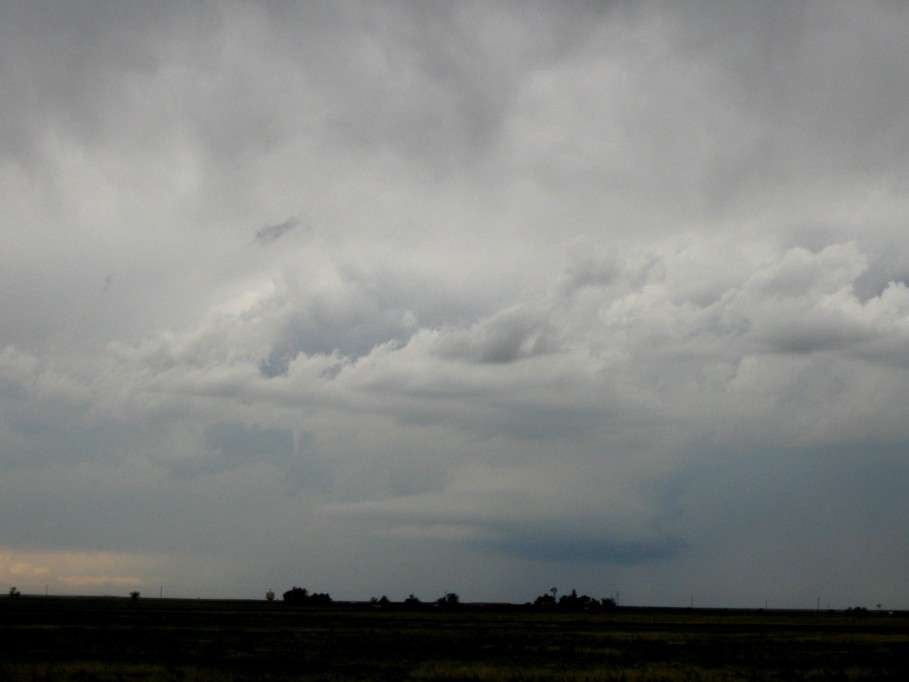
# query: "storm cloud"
413, 298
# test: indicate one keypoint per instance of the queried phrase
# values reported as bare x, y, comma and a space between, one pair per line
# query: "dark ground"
48, 638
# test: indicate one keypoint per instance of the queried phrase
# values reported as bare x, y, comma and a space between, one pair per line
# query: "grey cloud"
823, 335
800, 272
363, 309
235, 445
59, 433
807, 302
589, 549
807, 98
585, 268
444, 98
486, 417
580, 270
506, 337
68, 64
540, 422
342, 324
271, 233
231, 446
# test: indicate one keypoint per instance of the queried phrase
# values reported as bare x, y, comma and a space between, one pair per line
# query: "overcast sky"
484, 297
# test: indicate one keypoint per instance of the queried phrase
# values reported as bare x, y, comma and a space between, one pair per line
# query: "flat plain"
57, 638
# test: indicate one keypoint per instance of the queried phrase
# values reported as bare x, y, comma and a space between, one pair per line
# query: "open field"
45, 638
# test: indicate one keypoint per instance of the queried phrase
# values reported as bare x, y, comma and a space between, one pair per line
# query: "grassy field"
45, 638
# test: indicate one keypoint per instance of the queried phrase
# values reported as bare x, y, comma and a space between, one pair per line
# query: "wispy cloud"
271, 233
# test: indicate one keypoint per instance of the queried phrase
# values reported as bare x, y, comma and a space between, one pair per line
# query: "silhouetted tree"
296, 595
544, 601
450, 600
572, 602
299, 596
412, 602
14, 593
379, 603
320, 599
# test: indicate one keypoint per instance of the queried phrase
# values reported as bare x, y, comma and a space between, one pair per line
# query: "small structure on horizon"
270, 595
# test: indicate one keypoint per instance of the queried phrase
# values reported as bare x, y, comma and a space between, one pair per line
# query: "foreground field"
162, 639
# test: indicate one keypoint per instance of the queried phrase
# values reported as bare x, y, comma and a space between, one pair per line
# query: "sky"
392, 298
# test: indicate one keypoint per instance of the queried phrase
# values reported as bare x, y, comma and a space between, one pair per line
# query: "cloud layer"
393, 298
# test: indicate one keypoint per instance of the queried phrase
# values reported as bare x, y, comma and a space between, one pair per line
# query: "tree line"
298, 596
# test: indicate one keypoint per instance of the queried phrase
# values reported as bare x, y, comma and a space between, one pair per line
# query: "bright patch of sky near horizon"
392, 298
